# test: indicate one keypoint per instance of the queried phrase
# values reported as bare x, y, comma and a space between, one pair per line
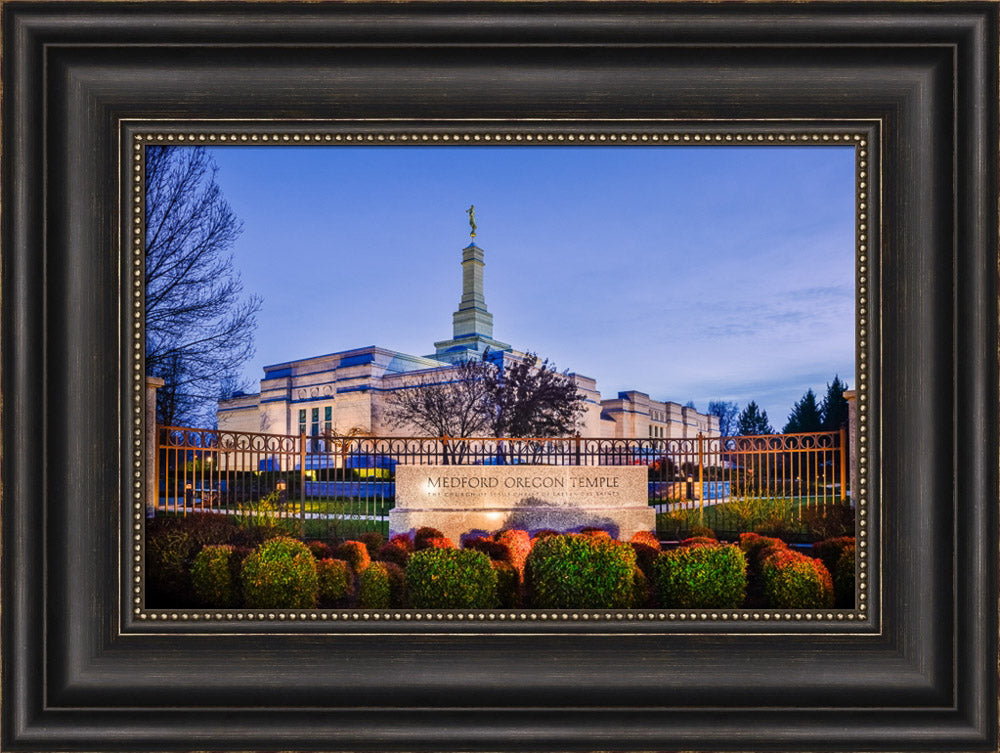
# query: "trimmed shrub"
373, 541
450, 579
508, 584
281, 573
171, 545
702, 577
320, 550
699, 541
645, 557
404, 540
646, 537
518, 544
395, 552
828, 551
593, 531
355, 554
756, 547
335, 581
424, 534
492, 549
843, 577
791, 580
215, 576
580, 572
374, 589
438, 542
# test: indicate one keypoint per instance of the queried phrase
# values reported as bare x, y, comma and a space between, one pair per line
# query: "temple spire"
472, 324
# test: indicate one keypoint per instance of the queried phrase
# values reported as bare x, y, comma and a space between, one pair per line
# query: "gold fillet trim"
698, 136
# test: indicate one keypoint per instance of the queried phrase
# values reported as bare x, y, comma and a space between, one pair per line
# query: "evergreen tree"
805, 416
752, 421
834, 407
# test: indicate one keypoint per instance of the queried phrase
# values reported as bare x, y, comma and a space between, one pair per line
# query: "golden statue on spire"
471, 211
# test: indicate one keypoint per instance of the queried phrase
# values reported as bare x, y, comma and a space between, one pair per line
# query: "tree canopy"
199, 325
520, 398
726, 411
834, 407
753, 420
805, 415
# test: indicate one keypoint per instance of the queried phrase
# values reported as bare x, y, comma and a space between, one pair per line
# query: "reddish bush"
355, 554
402, 540
518, 543
646, 537
373, 541
757, 547
396, 552
423, 535
320, 550
593, 531
699, 541
438, 542
493, 549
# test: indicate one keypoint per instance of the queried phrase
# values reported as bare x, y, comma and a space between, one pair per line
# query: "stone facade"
346, 391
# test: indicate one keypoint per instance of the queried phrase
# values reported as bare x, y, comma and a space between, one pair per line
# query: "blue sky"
690, 273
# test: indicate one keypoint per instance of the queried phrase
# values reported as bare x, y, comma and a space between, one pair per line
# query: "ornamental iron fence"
332, 487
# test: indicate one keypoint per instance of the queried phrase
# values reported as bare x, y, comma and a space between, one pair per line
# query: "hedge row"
509, 569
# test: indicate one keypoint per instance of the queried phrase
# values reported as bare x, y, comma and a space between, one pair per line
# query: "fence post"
578, 448
851, 397
843, 464
152, 470
701, 475
302, 484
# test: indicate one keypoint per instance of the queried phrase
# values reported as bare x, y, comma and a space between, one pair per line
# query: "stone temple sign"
461, 500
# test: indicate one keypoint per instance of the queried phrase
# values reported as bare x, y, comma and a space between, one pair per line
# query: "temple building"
346, 391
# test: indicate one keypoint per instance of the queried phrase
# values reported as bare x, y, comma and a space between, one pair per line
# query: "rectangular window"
302, 421
328, 419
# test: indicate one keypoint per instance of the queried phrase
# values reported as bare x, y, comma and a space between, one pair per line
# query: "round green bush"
215, 576
640, 588
568, 571
791, 580
451, 579
374, 590
335, 581
702, 577
843, 578
281, 573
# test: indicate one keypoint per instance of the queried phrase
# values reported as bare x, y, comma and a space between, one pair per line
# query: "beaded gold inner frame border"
861, 135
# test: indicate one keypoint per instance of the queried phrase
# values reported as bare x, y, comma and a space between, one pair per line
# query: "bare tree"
199, 325
456, 405
532, 399
519, 399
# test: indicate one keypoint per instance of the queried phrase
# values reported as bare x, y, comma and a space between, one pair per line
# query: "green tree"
805, 415
753, 420
834, 407
726, 411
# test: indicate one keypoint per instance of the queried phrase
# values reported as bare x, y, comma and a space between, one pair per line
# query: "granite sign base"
469, 500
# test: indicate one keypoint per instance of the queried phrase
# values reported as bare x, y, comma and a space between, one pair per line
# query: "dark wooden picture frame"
80, 673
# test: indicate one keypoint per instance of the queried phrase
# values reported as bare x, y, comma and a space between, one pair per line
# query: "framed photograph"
358, 538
